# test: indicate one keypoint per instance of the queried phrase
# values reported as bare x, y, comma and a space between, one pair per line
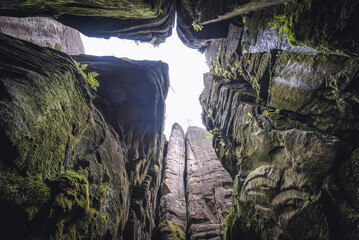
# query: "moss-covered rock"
280, 116
109, 8
147, 21
323, 25
70, 154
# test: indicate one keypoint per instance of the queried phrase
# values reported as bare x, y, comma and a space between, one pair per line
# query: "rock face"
45, 32
135, 28
196, 190
137, 20
208, 187
280, 102
173, 207
74, 160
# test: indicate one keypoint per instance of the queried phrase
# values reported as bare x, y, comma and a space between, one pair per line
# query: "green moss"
125, 9
319, 26
229, 220
72, 193
48, 112
173, 229
25, 193
104, 219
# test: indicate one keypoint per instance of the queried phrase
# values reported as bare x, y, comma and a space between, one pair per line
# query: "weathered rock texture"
196, 190
281, 101
173, 207
138, 20
45, 32
76, 163
208, 187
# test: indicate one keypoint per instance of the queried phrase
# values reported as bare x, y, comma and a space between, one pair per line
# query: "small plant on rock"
89, 77
196, 26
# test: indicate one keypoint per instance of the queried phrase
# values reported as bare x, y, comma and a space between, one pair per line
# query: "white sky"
186, 68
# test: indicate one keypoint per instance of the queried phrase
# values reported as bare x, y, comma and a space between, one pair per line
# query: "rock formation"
196, 191
208, 187
45, 32
280, 100
173, 207
141, 20
73, 160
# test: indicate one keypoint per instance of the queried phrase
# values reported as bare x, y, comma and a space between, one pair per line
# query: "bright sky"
186, 68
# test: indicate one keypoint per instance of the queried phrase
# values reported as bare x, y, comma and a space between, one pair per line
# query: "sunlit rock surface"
73, 159
45, 32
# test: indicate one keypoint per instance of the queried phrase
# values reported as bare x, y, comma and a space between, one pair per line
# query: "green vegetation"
196, 26
56, 46
157, 41
25, 193
244, 20
279, 25
124, 9
229, 221
89, 77
173, 229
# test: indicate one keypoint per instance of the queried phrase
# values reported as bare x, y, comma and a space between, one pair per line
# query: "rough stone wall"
196, 191
280, 101
208, 187
173, 209
74, 158
45, 32
143, 20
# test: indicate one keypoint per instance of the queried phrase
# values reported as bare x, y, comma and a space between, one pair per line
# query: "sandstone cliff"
45, 32
196, 191
173, 207
74, 159
280, 100
208, 187
142, 20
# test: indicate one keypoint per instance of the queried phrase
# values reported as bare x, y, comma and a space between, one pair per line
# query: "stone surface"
73, 159
137, 20
173, 208
196, 191
208, 187
137, 114
45, 32
285, 122
140, 28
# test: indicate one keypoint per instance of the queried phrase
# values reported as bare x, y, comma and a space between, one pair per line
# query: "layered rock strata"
137, 20
280, 101
208, 187
173, 207
45, 32
74, 159
196, 191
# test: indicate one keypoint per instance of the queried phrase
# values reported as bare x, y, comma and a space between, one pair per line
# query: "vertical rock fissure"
185, 186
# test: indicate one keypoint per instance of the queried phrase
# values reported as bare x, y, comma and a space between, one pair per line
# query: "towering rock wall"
280, 100
196, 191
173, 208
208, 187
45, 32
73, 160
